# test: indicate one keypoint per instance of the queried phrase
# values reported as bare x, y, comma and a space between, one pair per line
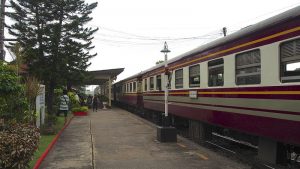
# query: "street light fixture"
165, 50
166, 133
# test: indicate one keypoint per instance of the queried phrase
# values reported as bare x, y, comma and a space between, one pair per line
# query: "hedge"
80, 109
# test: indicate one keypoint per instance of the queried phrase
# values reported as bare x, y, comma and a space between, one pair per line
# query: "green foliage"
13, 102
159, 62
32, 90
74, 102
17, 146
80, 109
8, 80
55, 38
56, 101
44, 142
46, 139
48, 127
103, 98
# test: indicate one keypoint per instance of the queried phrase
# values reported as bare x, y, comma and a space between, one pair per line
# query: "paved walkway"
123, 140
73, 149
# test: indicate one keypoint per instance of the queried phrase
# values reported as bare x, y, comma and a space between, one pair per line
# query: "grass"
45, 140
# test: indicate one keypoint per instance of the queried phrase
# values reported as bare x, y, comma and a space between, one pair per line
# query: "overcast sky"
132, 32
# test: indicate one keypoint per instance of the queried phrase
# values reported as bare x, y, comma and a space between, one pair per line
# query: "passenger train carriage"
127, 93
248, 81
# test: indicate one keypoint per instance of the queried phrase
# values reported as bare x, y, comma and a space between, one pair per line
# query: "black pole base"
166, 134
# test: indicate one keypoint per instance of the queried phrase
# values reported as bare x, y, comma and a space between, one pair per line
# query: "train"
247, 82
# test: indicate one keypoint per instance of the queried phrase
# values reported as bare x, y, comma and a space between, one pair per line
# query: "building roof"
102, 76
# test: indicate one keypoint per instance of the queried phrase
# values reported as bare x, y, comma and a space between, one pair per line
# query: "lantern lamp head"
165, 50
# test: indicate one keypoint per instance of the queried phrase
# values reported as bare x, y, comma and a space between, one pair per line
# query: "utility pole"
2, 23
224, 31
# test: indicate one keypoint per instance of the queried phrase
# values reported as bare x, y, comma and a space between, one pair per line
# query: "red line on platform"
43, 156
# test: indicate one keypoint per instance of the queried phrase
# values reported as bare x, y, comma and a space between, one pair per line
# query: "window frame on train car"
180, 85
158, 85
248, 66
151, 83
285, 75
134, 86
145, 85
214, 65
139, 86
191, 85
130, 87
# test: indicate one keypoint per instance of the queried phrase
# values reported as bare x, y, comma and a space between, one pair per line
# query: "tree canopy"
55, 40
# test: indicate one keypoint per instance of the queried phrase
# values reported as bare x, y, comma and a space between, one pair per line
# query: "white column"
109, 91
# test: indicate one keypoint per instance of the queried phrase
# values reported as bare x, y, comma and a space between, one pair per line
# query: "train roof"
280, 18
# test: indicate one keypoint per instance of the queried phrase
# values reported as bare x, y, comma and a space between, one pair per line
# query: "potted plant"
104, 100
80, 111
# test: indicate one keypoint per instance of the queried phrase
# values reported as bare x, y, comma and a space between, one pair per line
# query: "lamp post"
166, 133
165, 50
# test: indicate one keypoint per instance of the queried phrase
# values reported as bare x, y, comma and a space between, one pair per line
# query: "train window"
145, 85
130, 87
194, 76
151, 83
139, 87
290, 61
134, 86
248, 68
179, 78
158, 82
216, 72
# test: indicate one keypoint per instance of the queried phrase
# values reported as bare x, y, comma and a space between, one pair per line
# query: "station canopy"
99, 77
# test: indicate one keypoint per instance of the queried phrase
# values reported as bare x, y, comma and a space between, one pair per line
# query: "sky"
132, 32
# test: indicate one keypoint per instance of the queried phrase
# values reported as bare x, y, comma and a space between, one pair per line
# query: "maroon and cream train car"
127, 93
248, 81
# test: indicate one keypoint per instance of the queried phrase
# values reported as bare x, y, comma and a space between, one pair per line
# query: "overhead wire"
110, 35
125, 37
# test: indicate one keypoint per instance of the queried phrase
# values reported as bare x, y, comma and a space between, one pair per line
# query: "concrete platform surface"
121, 140
73, 149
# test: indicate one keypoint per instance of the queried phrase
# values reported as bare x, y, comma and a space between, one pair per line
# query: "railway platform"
115, 138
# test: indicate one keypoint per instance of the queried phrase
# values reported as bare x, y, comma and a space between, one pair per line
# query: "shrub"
84, 108
103, 98
17, 145
13, 102
80, 109
74, 102
56, 101
48, 127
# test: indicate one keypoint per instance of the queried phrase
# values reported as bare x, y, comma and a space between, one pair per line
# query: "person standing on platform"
95, 103
64, 104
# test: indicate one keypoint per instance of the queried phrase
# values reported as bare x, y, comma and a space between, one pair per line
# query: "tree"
55, 40
159, 62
